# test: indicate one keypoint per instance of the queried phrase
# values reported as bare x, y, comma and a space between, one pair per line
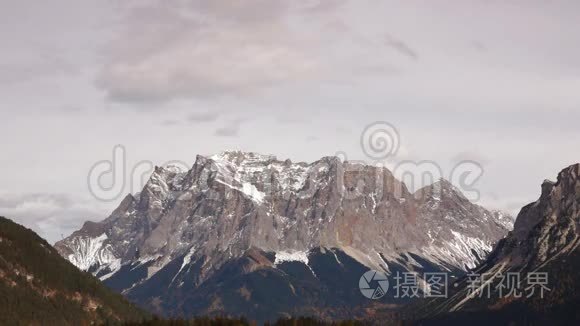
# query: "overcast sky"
497, 82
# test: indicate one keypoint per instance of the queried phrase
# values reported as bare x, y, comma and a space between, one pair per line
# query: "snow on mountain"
89, 252
545, 240
234, 202
285, 256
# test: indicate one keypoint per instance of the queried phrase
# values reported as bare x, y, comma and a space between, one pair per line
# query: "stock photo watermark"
110, 179
375, 285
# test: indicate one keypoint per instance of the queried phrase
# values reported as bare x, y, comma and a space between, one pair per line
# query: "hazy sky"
497, 82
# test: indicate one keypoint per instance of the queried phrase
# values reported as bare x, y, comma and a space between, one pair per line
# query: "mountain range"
245, 233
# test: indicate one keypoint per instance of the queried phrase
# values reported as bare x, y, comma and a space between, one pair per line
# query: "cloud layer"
491, 81
207, 48
52, 216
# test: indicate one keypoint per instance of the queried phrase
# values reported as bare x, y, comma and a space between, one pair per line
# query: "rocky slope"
545, 239
39, 287
185, 227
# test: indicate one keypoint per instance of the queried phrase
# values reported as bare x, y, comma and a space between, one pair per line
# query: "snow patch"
251, 191
186, 261
287, 256
458, 251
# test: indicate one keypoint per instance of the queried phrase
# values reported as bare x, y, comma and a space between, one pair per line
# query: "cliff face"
548, 228
545, 239
232, 203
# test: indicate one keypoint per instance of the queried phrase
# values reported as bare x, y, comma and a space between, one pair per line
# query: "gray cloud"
71, 109
227, 131
291, 69
40, 66
479, 46
289, 118
169, 122
12, 202
342, 130
208, 49
401, 47
231, 129
207, 116
470, 155
50, 215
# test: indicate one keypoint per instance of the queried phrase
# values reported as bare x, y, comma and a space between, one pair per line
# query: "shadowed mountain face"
39, 287
545, 239
253, 285
257, 223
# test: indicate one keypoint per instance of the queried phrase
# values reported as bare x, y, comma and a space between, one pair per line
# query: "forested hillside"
39, 287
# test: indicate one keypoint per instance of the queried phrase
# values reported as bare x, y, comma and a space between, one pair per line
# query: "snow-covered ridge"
240, 157
176, 212
458, 250
247, 171
89, 252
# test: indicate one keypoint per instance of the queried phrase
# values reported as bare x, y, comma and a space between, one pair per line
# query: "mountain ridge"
38, 286
545, 239
229, 203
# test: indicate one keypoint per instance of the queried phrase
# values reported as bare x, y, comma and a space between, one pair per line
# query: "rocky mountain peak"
546, 188
228, 203
241, 157
567, 180
438, 190
545, 238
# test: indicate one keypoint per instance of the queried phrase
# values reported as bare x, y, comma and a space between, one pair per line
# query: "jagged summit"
237, 156
437, 189
545, 238
234, 202
169, 168
297, 206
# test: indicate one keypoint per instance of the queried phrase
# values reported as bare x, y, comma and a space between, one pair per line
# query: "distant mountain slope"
545, 239
185, 227
257, 286
39, 287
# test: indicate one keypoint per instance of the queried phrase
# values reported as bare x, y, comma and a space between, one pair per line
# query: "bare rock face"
452, 221
236, 204
545, 229
545, 239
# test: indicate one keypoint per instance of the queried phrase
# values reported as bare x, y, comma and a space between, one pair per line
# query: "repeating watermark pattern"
380, 141
375, 285
507, 285
109, 180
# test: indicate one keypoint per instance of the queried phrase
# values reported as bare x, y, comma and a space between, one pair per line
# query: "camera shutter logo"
373, 284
